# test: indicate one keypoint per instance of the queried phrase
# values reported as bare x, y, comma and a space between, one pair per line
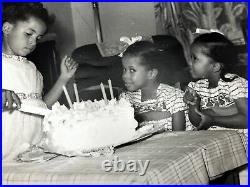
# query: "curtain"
181, 20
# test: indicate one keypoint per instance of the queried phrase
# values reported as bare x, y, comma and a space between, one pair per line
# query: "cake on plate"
88, 127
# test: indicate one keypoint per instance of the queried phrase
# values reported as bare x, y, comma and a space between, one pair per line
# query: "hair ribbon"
129, 41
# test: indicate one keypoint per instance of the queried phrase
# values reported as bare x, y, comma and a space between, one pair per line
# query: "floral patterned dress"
168, 99
20, 130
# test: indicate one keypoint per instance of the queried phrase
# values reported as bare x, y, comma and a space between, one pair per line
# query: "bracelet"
29, 96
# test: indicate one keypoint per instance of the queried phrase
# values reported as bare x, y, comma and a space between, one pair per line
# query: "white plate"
35, 154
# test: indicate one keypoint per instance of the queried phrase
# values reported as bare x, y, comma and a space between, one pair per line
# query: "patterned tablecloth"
193, 157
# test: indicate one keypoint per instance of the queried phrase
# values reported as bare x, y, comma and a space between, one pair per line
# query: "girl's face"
135, 75
201, 64
21, 38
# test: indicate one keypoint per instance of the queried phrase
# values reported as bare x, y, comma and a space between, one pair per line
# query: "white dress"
20, 130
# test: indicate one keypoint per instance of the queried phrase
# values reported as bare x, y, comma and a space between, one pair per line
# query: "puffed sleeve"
178, 103
238, 88
124, 96
6, 76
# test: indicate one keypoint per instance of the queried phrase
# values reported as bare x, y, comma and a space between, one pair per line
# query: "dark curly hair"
144, 49
153, 57
220, 49
13, 12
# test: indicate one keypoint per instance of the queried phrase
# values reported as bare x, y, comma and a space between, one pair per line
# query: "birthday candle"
76, 93
67, 96
111, 89
103, 93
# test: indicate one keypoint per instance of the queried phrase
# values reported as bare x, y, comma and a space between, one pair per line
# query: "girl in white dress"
219, 100
23, 25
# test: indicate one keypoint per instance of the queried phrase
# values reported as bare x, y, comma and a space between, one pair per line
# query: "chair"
94, 69
176, 67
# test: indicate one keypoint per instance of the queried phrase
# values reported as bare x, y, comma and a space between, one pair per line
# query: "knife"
34, 110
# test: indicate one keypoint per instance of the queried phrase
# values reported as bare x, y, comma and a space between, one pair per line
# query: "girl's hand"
191, 97
10, 101
68, 68
206, 121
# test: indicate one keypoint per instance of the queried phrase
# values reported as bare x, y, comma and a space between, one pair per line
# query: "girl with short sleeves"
156, 105
219, 100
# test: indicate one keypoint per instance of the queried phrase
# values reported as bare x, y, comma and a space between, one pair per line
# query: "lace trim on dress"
14, 57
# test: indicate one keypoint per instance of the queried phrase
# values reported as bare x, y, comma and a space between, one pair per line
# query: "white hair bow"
129, 41
204, 31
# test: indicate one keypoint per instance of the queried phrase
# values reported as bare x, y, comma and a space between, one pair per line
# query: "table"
193, 157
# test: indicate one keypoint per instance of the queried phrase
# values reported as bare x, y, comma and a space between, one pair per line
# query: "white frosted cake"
89, 126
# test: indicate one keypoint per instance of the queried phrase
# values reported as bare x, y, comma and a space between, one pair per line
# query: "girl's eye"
194, 58
132, 70
28, 34
39, 38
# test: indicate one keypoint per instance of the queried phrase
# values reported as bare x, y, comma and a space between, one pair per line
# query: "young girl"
155, 104
23, 25
219, 100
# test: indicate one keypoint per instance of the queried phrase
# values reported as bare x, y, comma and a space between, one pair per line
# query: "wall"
63, 26
126, 19
83, 21
75, 27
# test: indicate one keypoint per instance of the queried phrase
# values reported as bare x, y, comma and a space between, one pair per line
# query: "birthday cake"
88, 126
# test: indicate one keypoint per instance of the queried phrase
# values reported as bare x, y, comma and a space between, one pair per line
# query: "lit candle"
76, 93
111, 89
67, 96
103, 93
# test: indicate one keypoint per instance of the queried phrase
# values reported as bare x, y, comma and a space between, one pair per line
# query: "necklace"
18, 58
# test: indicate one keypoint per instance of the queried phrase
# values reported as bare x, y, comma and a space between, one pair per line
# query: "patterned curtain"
181, 19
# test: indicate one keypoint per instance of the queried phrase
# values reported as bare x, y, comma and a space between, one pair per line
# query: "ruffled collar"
151, 100
221, 82
14, 57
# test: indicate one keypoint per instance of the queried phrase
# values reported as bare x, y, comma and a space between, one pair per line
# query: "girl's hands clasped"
206, 121
191, 97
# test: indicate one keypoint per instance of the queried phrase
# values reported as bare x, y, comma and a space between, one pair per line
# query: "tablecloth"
193, 157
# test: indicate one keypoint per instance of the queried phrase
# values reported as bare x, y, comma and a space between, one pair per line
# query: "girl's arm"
192, 99
178, 121
235, 121
152, 116
194, 117
68, 68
